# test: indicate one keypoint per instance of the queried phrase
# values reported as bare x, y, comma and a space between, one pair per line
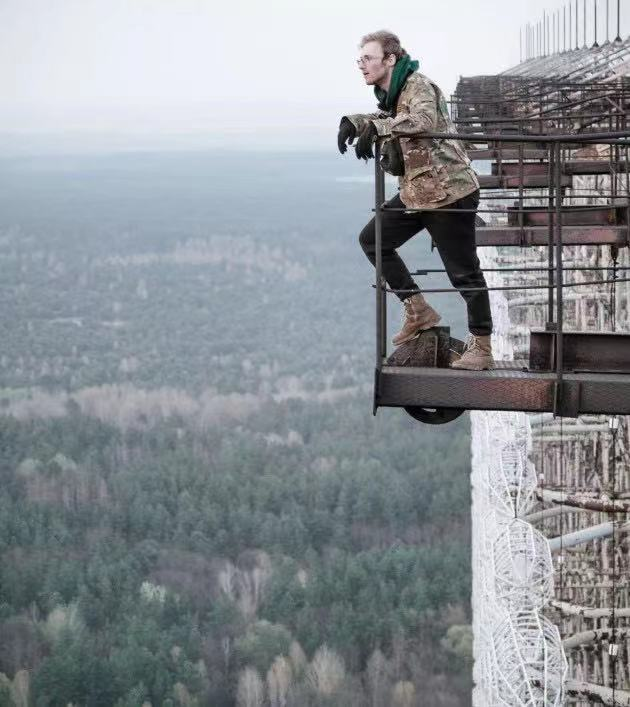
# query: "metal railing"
557, 148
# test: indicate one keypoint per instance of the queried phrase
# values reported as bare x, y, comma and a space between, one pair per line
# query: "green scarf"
402, 70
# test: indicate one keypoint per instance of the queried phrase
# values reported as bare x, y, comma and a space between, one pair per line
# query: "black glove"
363, 147
347, 133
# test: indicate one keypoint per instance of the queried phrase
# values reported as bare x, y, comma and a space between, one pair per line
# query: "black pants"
454, 236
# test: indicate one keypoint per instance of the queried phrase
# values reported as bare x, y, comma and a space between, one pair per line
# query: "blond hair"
390, 44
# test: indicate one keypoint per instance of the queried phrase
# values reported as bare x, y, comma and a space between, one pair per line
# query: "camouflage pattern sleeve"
416, 115
359, 120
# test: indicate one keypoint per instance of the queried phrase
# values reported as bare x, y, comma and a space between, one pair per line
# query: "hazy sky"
238, 71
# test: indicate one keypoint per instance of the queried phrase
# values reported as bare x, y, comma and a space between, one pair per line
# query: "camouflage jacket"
437, 171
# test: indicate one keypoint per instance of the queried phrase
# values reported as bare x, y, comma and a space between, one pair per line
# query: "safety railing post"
626, 157
379, 197
559, 281
550, 251
521, 179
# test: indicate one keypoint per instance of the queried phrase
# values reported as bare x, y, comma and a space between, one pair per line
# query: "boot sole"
472, 368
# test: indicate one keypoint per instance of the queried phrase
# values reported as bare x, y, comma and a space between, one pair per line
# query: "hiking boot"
419, 316
477, 354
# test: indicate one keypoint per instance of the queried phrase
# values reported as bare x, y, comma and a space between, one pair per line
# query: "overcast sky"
278, 73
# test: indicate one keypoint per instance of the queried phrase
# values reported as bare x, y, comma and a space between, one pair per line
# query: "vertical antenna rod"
584, 6
595, 22
527, 41
577, 41
564, 28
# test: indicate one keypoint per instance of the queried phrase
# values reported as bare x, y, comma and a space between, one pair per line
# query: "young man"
433, 173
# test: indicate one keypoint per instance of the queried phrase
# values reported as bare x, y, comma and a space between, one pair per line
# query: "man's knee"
367, 238
472, 277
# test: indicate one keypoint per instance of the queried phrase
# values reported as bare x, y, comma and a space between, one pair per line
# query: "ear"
391, 60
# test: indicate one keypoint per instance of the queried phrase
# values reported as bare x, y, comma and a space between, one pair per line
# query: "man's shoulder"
418, 82
419, 76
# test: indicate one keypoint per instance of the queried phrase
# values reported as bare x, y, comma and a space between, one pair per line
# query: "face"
374, 66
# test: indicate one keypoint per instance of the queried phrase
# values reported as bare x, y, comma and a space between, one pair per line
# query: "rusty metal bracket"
377, 390
566, 399
582, 351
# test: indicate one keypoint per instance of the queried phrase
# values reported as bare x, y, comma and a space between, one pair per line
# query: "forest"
197, 506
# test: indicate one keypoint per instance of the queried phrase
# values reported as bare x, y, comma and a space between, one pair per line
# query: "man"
432, 174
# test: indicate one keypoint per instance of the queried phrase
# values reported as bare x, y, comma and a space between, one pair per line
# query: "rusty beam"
582, 167
582, 351
573, 216
506, 154
539, 235
530, 181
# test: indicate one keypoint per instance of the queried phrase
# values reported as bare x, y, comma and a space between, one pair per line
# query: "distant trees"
15, 693
378, 675
167, 564
183, 495
251, 690
404, 694
279, 679
21, 645
326, 671
261, 643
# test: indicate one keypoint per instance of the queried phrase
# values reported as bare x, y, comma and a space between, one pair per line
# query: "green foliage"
136, 696
354, 561
459, 642
262, 642
258, 437
5, 694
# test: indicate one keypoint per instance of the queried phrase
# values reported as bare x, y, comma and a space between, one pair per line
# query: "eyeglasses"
366, 59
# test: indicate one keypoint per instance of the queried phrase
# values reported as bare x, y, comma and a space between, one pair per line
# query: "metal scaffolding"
551, 632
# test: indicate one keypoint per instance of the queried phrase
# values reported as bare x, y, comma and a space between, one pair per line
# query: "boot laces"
472, 344
407, 310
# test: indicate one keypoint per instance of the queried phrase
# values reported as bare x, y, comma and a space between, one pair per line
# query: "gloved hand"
363, 147
347, 133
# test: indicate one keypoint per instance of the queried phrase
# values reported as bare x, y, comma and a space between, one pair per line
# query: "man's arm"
420, 118
360, 120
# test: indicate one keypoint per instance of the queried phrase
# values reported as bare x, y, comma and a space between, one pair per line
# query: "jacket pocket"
391, 157
460, 151
425, 184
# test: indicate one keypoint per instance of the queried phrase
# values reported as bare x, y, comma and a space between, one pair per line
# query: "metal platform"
502, 389
568, 373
